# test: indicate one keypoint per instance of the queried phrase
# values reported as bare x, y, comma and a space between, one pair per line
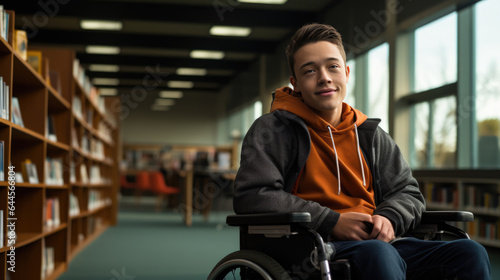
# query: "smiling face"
321, 77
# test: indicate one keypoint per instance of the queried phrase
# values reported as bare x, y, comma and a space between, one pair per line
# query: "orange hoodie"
334, 154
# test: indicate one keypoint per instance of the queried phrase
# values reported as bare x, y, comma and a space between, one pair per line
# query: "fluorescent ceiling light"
180, 84
100, 24
191, 71
230, 31
274, 2
102, 49
202, 54
171, 94
105, 81
108, 91
104, 68
156, 107
164, 102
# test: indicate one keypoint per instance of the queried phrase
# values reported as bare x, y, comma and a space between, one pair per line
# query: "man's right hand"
352, 226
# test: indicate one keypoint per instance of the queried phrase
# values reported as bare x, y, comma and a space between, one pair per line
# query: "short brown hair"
312, 33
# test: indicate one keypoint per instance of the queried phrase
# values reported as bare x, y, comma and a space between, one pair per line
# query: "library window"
435, 134
350, 97
378, 84
487, 71
436, 53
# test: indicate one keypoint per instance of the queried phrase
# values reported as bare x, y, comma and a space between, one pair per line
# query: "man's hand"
351, 226
382, 229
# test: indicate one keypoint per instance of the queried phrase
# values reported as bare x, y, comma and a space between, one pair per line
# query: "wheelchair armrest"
268, 219
432, 217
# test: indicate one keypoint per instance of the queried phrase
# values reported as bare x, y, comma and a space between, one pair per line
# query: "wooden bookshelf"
41, 233
477, 191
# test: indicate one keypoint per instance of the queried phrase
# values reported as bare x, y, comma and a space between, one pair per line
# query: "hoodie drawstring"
337, 158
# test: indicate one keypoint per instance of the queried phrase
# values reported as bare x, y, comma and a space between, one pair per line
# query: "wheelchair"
277, 246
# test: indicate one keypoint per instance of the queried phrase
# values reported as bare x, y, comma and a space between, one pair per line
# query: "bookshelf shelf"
477, 191
48, 232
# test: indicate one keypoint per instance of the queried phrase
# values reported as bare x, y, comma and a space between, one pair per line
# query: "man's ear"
293, 81
347, 72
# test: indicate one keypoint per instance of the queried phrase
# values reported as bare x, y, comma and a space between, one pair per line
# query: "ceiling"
158, 36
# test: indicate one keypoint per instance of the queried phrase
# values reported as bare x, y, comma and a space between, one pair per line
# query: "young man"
315, 153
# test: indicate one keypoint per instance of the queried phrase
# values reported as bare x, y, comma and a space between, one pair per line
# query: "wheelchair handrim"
235, 263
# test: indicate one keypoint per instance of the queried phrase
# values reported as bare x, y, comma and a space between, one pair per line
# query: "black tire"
254, 265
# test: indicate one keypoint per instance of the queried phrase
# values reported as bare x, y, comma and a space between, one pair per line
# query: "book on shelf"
21, 43
4, 23
50, 129
95, 175
54, 171
29, 171
72, 173
16, 112
4, 99
74, 138
48, 264
52, 212
77, 107
34, 59
2, 157
74, 207
1, 229
84, 174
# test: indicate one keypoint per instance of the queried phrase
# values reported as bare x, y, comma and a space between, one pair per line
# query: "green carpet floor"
146, 245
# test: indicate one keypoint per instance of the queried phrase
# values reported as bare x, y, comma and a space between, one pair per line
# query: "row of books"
4, 23
4, 99
81, 77
482, 198
489, 230
96, 200
74, 205
48, 260
54, 171
441, 194
52, 212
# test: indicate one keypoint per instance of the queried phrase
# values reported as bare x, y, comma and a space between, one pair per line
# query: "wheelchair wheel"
248, 265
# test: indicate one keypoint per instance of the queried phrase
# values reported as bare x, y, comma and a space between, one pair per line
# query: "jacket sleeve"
269, 167
398, 196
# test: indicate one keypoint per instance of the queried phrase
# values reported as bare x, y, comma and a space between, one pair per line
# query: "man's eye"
308, 71
334, 66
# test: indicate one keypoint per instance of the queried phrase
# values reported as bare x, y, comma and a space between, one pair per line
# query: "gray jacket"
275, 150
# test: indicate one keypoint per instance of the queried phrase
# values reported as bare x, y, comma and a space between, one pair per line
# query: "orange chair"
126, 184
142, 183
160, 188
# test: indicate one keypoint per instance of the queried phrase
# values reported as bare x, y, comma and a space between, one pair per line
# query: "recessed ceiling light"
171, 94
156, 107
274, 2
230, 31
102, 49
202, 54
104, 68
100, 24
191, 71
108, 91
105, 81
180, 84
164, 102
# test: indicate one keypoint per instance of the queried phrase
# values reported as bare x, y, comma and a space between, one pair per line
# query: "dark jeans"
412, 258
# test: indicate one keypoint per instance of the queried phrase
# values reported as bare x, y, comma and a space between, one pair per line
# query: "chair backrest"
142, 180
124, 183
157, 180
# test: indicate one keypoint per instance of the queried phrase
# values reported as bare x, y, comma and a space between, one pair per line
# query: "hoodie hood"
335, 159
286, 99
